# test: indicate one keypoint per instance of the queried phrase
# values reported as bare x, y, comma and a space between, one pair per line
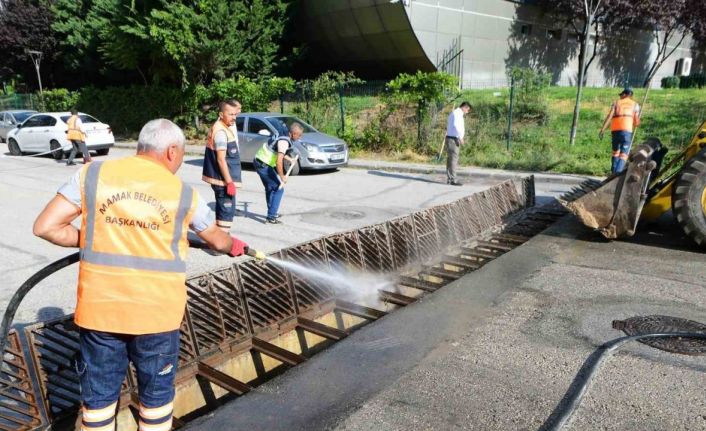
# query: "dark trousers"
621, 142
225, 206
77, 146
273, 194
103, 362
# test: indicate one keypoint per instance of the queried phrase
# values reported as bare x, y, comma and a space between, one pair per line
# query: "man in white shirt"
455, 131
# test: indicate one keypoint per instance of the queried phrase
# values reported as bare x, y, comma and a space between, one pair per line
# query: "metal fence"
18, 101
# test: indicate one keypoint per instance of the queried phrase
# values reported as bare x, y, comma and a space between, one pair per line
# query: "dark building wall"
374, 38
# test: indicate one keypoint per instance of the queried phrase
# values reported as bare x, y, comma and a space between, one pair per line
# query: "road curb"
469, 172
499, 175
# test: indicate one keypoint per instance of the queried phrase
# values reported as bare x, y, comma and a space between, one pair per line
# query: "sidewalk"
429, 169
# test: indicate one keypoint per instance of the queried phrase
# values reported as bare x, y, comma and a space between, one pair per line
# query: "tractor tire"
56, 151
14, 147
689, 198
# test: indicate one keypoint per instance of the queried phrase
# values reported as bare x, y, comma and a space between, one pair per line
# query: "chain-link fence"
18, 101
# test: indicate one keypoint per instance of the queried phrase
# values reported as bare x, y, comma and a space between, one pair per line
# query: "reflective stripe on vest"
267, 154
211, 170
134, 262
74, 133
623, 117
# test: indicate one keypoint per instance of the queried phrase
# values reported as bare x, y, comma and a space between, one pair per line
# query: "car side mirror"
19, 126
264, 132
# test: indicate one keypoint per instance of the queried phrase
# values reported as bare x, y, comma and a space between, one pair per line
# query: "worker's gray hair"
157, 135
296, 127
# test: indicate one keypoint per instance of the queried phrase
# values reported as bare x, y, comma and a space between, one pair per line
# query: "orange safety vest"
211, 169
74, 133
625, 116
135, 216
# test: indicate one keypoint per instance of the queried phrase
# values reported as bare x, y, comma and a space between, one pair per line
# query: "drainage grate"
19, 409
666, 324
246, 307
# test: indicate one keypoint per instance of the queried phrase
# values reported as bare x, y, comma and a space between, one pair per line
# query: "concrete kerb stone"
426, 169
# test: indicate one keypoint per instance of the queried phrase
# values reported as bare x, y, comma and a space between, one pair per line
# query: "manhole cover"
347, 214
665, 324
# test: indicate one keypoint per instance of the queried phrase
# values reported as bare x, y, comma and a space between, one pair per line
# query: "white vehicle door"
26, 134
44, 133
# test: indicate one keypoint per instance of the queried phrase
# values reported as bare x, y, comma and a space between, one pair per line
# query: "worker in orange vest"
135, 213
624, 117
77, 136
221, 162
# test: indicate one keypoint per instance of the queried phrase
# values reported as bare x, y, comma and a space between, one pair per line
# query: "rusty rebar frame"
241, 308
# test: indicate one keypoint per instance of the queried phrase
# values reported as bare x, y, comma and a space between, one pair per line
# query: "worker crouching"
269, 163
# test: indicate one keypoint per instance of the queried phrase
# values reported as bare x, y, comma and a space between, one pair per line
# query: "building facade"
477, 40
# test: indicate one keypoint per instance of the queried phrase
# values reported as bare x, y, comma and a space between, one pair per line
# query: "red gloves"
230, 189
238, 248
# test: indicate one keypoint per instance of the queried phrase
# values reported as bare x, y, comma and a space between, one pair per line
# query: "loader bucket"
614, 207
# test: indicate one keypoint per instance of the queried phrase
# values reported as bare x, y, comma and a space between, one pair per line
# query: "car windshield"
85, 119
21, 116
282, 124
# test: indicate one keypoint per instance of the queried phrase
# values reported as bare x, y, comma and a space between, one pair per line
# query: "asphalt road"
498, 348
314, 205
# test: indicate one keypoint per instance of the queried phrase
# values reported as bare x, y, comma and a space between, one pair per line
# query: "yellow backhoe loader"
646, 190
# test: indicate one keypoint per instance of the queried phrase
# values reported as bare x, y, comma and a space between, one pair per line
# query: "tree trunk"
579, 84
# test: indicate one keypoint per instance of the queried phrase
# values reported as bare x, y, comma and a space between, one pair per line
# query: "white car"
46, 131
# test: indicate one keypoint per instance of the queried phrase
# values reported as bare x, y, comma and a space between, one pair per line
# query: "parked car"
10, 119
316, 150
46, 131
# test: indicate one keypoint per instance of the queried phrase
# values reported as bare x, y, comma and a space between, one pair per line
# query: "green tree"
26, 25
427, 91
178, 41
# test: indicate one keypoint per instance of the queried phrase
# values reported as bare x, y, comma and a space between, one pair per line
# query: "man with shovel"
269, 163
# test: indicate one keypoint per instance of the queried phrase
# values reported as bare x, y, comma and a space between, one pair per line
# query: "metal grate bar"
276, 352
19, 407
321, 329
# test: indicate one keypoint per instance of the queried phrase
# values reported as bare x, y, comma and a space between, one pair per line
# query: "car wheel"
103, 151
295, 169
56, 152
14, 147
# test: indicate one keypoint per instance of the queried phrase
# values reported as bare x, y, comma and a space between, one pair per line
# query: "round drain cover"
665, 324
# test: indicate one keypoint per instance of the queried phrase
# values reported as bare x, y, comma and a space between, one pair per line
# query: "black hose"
24, 290
40, 275
578, 388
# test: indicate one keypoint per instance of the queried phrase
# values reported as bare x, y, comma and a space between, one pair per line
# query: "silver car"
10, 119
316, 150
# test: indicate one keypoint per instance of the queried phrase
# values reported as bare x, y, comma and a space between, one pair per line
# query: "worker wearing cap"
624, 117
135, 213
221, 162
269, 164
77, 135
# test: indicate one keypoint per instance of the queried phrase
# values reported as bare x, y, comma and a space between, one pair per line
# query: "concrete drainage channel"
249, 322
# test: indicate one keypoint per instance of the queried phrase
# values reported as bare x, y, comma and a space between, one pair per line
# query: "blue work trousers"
273, 194
622, 141
102, 364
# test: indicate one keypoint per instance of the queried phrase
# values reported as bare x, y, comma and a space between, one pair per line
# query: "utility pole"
36, 57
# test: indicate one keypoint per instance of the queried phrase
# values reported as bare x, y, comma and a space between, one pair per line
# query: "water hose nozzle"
256, 254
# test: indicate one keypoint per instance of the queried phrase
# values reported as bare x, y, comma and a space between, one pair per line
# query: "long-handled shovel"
289, 171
